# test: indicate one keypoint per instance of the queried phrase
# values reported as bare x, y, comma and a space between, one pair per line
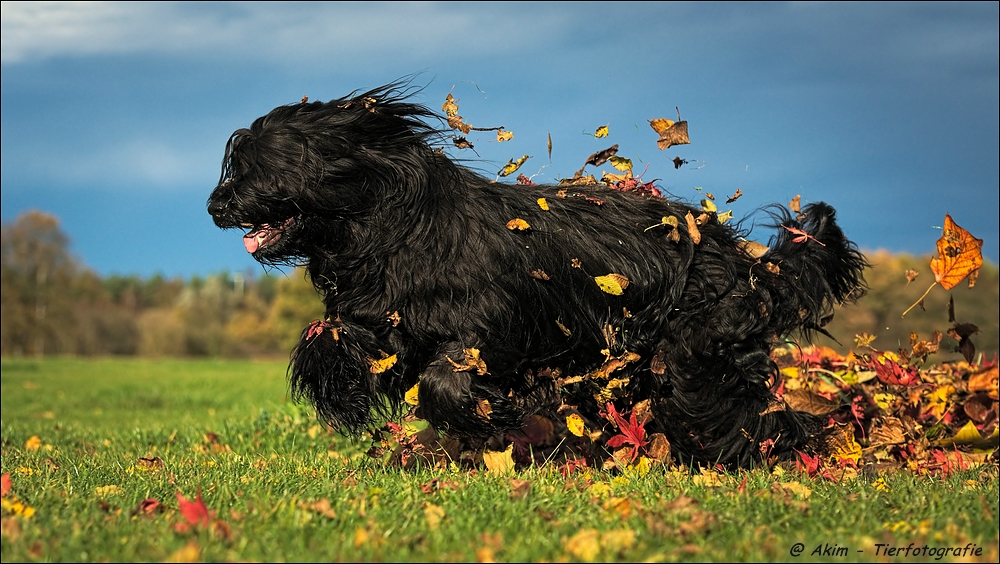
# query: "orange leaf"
5, 484
959, 255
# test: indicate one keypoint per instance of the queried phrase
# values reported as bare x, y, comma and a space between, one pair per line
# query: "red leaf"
810, 464
890, 372
5, 484
194, 512
632, 432
148, 505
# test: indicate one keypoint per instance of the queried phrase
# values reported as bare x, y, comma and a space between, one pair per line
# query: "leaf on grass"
5, 484
519, 488
190, 552
499, 462
194, 512
584, 545
321, 507
840, 444
33, 443
518, 224
614, 284
659, 447
959, 255
433, 514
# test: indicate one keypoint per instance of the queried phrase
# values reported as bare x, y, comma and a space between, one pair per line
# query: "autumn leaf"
195, 512
631, 432
796, 204
621, 163
692, 227
660, 125
381, 365
5, 484
574, 423
501, 462
601, 132
800, 235
678, 162
724, 216
543, 204
518, 224
512, 166
911, 275
462, 143
412, 396
671, 132
601, 157
708, 205
504, 135
735, 196
33, 443
433, 514
449, 107
472, 361
538, 274
550, 146
960, 255
614, 284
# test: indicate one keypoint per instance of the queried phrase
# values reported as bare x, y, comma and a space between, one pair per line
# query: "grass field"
98, 450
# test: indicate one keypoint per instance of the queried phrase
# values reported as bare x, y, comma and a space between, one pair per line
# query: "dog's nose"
216, 207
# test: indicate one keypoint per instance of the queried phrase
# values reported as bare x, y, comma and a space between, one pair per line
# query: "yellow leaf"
107, 491
585, 545
33, 443
660, 125
499, 462
381, 365
725, 216
599, 489
504, 135
883, 400
450, 107
543, 204
512, 166
433, 514
190, 552
613, 284
618, 540
412, 396
798, 489
518, 224
601, 132
708, 205
574, 423
621, 163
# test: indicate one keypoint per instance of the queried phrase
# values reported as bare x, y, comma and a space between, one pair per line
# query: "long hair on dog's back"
427, 276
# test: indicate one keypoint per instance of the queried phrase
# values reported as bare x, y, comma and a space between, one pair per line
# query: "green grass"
262, 463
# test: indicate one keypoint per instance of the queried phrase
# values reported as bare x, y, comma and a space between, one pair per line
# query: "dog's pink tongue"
251, 241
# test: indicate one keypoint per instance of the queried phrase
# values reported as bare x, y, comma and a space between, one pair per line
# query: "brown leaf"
656, 365
471, 361
796, 204
959, 255
753, 248
601, 157
887, 431
804, 400
518, 224
519, 488
659, 447
150, 463
735, 196
985, 381
674, 134
911, 275
692, 228
539, 274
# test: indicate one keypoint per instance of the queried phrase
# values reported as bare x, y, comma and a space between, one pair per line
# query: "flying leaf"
735, 196
518, 224
601, 132
543, 204
959, 255
911, 275
512, 166
724, 216
708, 205
574, 423
676, 133
504, 135
614, 284
412, 396
462, 143
621, 163
796, 204
449, 107
381, 365
455, 122
679, 162
601, 157
499, 462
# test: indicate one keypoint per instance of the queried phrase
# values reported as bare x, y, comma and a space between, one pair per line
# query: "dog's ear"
332, 366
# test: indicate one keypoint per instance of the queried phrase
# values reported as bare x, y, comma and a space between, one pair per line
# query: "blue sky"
115, 115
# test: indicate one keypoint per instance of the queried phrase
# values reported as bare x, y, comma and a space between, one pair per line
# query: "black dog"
427, 275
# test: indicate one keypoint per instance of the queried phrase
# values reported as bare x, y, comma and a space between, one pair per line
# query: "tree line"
55, 305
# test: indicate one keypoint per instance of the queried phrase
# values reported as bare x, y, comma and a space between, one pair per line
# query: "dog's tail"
815, 268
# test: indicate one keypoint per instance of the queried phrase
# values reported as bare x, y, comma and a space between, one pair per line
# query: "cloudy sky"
115, 115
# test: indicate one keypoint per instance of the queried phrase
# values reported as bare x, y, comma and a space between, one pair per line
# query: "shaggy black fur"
413, 257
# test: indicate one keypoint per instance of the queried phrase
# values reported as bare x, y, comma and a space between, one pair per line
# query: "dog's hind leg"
455, 396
